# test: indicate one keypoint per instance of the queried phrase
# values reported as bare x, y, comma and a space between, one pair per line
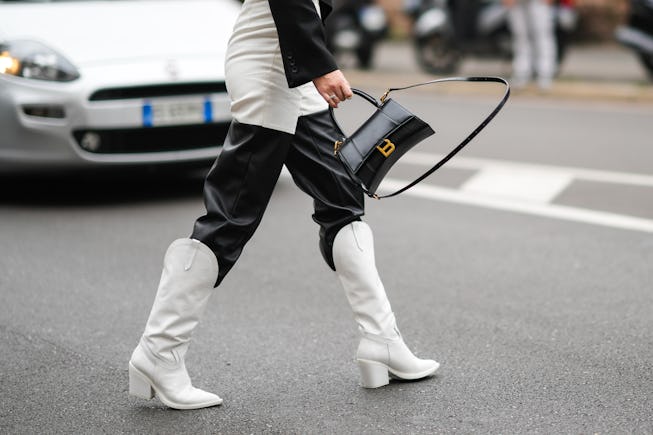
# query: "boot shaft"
353, 255
189, 273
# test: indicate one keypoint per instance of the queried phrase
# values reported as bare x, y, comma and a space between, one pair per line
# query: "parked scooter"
445, 31
638, 33
355, 27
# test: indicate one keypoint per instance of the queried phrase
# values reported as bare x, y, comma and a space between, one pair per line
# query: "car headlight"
33, 60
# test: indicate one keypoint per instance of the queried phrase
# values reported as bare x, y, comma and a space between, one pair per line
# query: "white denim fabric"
255, 76
532, 25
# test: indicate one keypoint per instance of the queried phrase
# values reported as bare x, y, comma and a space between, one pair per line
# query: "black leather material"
239, 185
237, 190
391, 124
338, 200
302, 39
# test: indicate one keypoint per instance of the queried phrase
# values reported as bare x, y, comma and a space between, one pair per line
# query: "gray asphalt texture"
541, 325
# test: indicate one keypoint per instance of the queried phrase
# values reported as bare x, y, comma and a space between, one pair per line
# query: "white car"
114, 82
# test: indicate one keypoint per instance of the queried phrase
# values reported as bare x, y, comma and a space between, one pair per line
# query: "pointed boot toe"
193, 398
170, 383
422, 368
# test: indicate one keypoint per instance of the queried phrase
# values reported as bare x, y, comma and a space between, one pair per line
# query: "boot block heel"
373, 374
139, 386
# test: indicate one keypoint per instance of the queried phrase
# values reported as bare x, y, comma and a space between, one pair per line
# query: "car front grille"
151, 91
151, 140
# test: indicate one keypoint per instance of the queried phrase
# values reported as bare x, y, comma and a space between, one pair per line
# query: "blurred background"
596, 39
597, 19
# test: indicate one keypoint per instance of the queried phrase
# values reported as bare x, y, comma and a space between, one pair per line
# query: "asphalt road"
534, 293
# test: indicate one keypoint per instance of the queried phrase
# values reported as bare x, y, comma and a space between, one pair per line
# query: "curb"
624, 92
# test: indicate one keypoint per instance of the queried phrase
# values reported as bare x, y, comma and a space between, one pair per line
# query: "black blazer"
302, 39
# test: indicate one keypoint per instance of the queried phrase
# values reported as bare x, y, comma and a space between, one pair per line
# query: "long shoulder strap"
468, 139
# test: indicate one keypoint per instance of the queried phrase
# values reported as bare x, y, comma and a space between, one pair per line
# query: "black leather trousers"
239, 185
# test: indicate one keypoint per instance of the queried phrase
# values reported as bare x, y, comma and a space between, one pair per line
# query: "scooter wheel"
437, 56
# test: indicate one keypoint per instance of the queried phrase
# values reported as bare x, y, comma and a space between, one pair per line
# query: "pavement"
589, 71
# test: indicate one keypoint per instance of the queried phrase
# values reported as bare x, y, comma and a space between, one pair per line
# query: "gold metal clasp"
384, 96
336, 147
386, 149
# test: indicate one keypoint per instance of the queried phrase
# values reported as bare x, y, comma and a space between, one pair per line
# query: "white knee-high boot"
190, 270
382, 351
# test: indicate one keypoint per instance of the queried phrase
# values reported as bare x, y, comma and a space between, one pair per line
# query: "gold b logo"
387, 148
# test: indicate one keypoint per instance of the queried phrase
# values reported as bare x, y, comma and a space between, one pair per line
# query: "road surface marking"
502, 194
533, 208
427, 160
518, 183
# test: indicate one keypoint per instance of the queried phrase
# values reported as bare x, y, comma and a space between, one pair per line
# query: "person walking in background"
532, 24
281, 80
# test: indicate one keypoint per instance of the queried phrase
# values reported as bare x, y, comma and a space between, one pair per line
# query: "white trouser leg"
522, 63
382, 351
542, 19
157, 364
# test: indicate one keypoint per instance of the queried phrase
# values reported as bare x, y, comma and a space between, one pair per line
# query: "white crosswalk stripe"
523, 188
529, 207
426, 160
523, 184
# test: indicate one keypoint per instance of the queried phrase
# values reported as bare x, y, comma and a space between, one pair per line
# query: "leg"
157, 363
339, 204
236, 191
238, 188
542, 19
522, 53
337, 199
382, 350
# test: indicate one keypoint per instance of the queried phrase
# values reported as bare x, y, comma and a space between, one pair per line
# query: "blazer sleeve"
302, 40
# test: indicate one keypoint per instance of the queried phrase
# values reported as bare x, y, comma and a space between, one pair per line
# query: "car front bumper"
50, 124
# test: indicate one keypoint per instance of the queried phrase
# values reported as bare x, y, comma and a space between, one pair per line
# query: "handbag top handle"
453, 152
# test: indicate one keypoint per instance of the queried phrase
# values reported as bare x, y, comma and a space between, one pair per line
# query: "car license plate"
160, 113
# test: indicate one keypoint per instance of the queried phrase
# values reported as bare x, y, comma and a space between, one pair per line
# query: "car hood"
96, 33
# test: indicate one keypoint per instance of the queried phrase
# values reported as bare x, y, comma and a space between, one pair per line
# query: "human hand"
333, 87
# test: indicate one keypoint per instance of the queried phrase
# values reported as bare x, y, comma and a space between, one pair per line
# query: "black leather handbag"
392, 130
